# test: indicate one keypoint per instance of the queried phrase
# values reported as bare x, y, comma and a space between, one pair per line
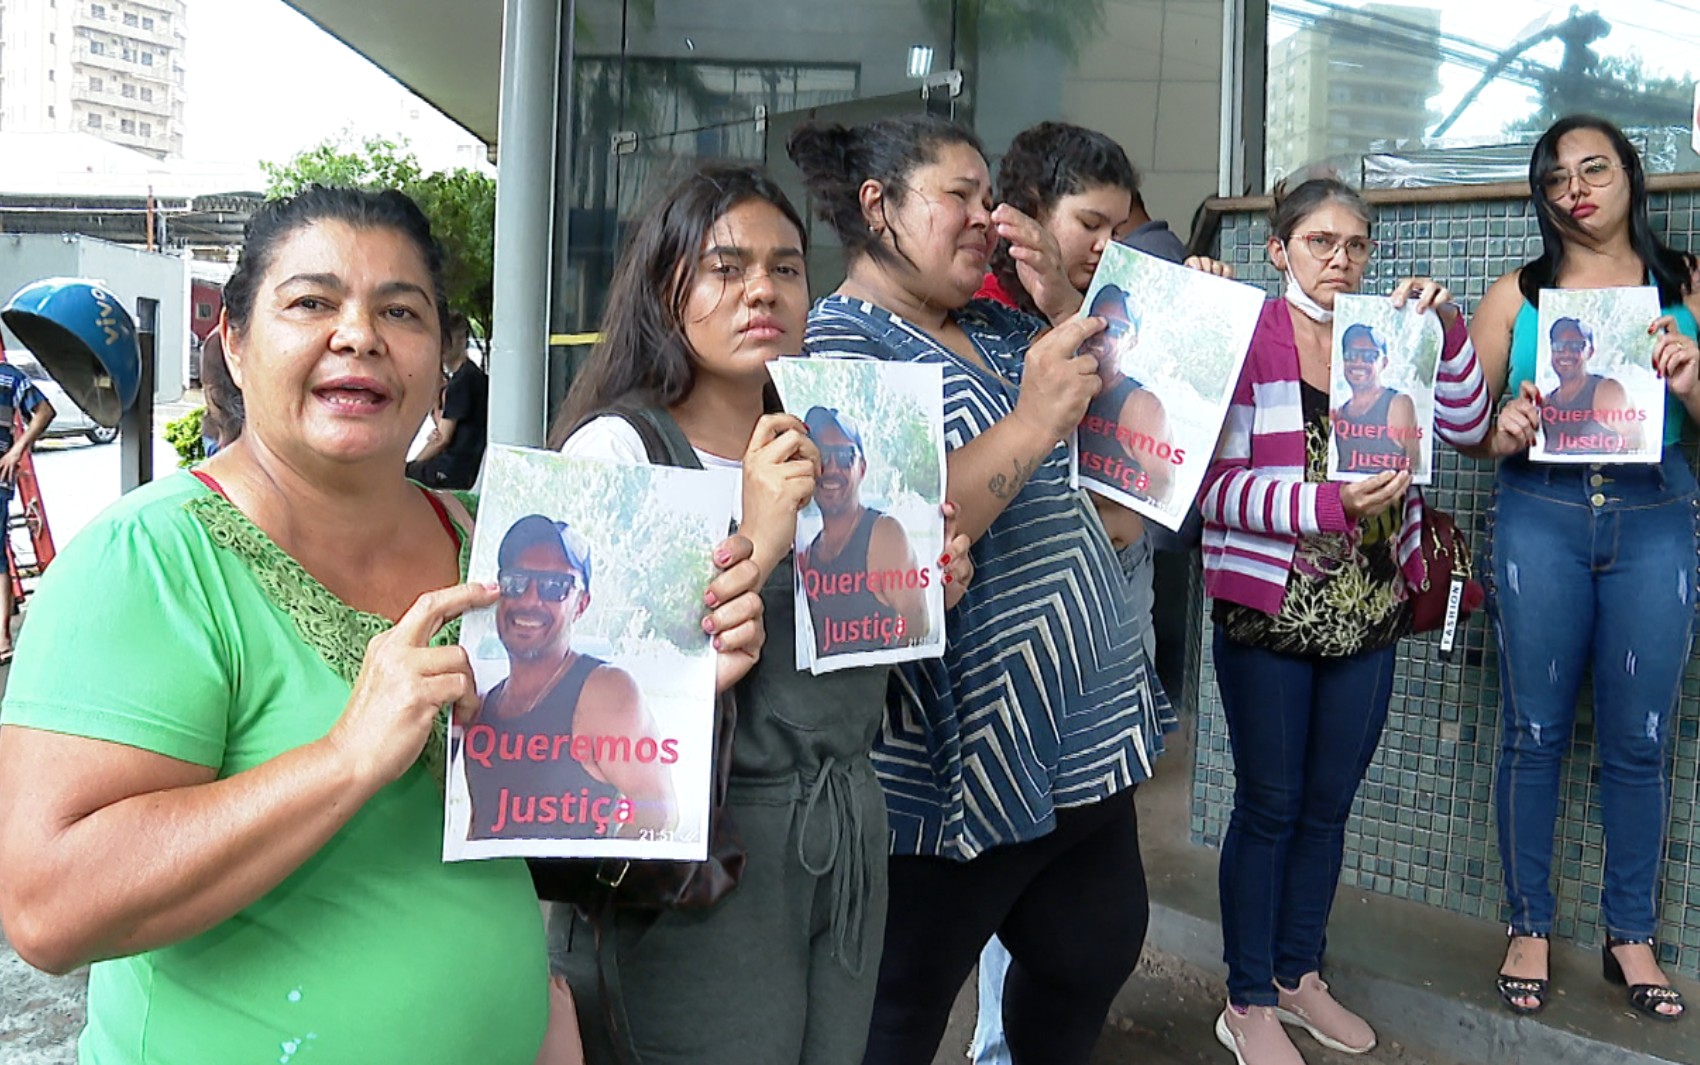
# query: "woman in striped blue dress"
1009, 765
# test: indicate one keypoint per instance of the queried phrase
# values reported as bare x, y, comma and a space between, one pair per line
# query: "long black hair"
1672, 270
643, 353
836, 160
1045, 163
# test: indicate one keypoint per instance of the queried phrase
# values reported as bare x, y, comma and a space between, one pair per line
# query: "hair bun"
821, 149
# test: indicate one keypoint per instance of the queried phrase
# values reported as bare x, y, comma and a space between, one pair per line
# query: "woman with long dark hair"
1311, 584
710, 290
1081, 189
1566, 591
1009, 764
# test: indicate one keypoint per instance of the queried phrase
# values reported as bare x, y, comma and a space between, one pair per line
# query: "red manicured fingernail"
944, 560
947, 578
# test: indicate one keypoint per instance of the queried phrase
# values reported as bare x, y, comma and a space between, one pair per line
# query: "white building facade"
111, 68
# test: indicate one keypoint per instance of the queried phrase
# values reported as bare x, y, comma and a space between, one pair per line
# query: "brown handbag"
1448, 593
599, 884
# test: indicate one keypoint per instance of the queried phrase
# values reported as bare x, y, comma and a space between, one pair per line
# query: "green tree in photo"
461, 205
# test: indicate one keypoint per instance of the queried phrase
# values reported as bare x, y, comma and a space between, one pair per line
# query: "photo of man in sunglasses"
1124, 438
865, 590
1376, 429
563, 747
1588, 413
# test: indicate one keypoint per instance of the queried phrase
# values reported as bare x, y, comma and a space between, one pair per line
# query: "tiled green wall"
1423, 826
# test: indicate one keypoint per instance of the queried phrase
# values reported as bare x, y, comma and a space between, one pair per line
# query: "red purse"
1448, 593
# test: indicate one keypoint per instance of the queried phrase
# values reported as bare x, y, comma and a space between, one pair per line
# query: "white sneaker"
1314, 1009
1256, 1037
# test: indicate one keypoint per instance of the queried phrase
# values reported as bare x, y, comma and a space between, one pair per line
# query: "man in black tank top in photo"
563, 747
1376, 430
864, 587
1124, 438
1587, 412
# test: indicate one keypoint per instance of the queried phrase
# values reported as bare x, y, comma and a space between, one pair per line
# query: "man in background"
455, 449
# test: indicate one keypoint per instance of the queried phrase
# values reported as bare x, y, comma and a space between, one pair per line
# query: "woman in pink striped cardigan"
1310, 584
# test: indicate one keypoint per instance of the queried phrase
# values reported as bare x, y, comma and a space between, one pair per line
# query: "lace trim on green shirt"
335, 631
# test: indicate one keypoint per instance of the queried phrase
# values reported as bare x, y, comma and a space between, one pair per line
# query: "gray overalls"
783, 970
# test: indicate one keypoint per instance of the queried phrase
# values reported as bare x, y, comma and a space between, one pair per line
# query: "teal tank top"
1526, 333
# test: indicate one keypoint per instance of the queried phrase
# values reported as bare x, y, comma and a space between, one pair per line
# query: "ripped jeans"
1590, 565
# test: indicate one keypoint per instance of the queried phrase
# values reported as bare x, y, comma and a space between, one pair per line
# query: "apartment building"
110, 68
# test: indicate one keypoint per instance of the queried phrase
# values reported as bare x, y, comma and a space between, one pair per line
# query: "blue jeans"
1590, 565
989, 1046
1302, 731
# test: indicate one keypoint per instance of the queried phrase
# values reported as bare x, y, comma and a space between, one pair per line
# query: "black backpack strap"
664, 442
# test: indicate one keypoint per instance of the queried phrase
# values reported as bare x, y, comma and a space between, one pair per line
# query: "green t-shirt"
159, 627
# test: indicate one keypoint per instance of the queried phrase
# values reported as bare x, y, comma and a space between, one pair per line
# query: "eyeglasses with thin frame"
1596, 172
551, 587
1323, 245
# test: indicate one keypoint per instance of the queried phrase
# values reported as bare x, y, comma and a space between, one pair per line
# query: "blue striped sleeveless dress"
1044, 698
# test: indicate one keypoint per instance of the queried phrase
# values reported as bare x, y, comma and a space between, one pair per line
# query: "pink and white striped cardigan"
1256, 502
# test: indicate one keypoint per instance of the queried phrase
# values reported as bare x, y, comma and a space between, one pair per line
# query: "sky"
247, 101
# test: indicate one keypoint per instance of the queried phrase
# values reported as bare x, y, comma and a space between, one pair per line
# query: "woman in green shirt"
215, 771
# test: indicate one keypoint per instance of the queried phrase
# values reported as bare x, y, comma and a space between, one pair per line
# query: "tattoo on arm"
1005, 488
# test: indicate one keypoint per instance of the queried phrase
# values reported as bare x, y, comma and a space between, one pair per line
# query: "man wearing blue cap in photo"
859, 573
1376, 429
573, 791
1573, 411
1124, 438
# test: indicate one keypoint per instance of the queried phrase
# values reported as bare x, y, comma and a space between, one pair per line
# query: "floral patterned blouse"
1344, 595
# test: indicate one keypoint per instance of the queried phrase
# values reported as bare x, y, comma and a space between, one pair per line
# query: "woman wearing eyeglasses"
1614, 547
1310, 580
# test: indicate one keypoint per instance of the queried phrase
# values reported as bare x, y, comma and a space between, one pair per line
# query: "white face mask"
1298, 297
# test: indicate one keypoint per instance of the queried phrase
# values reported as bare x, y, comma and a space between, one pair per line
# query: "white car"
69, 419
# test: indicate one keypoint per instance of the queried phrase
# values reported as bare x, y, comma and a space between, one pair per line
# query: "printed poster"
595, 737
1600, 399
869, 589
1381, 397
1169, 359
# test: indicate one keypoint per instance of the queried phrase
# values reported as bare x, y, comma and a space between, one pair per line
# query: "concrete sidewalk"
1163, 1017
40, 1015
1166, 1015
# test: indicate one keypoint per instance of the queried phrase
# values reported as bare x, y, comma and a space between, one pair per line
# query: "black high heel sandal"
1643, 998
1512, 988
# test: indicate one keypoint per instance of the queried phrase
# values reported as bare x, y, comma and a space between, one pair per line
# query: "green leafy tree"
184, 436
374, 163
461, 205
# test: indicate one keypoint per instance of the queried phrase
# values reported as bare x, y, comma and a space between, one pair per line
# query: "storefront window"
1453, 91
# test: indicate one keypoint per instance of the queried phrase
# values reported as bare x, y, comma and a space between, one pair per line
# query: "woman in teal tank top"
1562, 593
